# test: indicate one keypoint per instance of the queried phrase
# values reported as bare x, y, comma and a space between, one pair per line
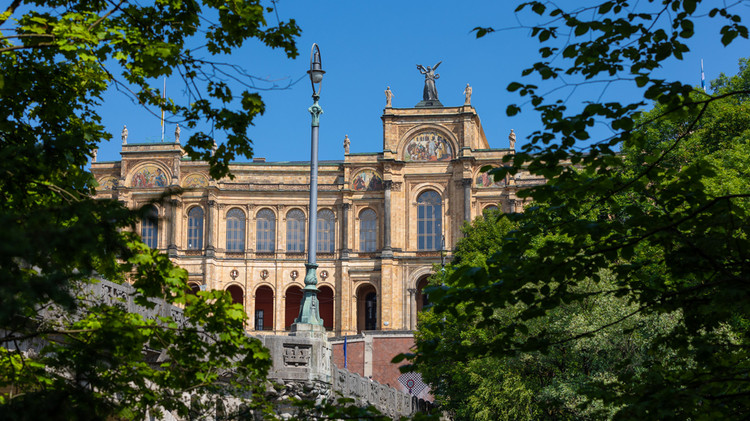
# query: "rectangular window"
258, 319
149, 232
265, 235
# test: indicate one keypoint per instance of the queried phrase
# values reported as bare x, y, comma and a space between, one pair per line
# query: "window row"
266, 230
429, 228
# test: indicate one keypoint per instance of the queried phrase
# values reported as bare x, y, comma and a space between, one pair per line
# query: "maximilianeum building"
385, 219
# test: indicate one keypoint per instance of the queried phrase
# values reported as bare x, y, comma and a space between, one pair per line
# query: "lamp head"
316, 71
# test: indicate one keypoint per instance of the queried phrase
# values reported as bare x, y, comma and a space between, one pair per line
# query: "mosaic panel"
485, 180
428, 146
108, 183
149, 176
367, 180
195, 180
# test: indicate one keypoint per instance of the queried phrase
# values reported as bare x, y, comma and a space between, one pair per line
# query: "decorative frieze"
296, 355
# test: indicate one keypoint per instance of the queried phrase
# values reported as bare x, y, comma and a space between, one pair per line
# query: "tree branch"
9, 11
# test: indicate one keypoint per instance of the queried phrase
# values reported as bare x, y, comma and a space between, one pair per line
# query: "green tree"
562, 383
672, 240
58, 58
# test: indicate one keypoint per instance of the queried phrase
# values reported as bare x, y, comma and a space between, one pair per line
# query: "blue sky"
366, 46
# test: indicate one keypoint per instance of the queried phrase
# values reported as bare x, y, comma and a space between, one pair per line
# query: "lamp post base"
309, 312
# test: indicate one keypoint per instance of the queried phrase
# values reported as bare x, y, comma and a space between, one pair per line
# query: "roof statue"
177, 134
124, 135
467, 93
429, 94
512, 139
388, 97
346, 144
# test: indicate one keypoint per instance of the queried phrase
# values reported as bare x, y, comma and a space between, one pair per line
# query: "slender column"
466, 182
387, 184
412, 308
210, 231
172, 228
345, 230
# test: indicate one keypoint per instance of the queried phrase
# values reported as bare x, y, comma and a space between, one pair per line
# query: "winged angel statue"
430, 91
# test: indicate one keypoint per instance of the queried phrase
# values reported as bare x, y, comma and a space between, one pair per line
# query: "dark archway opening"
325, 297
264, 308
367, 308
422, 299
238, 295
293, 302
194, 288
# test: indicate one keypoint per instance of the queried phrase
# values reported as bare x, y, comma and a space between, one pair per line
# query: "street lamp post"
309, 312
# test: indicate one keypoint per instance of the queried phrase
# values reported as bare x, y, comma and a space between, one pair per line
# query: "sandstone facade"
373, 276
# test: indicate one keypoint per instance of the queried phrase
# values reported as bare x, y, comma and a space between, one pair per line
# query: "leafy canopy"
659, 219
58, 58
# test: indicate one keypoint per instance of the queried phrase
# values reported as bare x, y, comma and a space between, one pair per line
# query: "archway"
194, 288
238, 295
367, 308
325, 298
264, 308
293, 301
421, 297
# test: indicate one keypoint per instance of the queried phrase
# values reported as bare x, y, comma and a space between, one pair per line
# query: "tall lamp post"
309, 313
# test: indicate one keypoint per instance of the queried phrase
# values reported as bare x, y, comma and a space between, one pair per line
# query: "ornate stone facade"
387, 216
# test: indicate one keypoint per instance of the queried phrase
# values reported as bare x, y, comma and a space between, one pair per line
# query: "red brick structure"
370, 354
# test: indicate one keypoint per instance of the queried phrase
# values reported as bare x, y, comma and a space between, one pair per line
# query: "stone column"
210, 250
412, 308
345, 249
466, 183
387, 184
172, 228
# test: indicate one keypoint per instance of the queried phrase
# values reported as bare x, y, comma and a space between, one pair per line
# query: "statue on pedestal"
346, 144
430, 90
467, 93
124, 135
177, 134
388, 97
512, 139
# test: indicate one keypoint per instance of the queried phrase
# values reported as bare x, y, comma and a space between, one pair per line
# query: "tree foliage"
671, 233
58, 58
562, 383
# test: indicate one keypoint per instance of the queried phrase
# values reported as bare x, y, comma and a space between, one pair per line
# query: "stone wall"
302, 365
386, 399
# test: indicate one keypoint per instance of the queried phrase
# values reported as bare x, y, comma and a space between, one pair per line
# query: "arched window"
368, 231
326, 231
265, 231
489, 209
150, 227
429, 221
235, 230
195, 228
295, 231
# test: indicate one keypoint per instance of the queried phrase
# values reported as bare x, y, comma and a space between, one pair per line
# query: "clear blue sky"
367, 46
